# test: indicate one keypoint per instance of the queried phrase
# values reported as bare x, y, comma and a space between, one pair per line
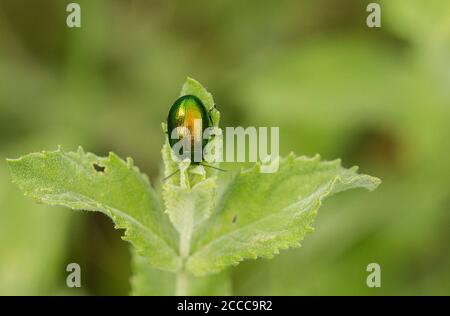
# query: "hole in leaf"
99, 168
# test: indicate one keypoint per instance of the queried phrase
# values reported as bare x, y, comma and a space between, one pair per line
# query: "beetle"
184, 112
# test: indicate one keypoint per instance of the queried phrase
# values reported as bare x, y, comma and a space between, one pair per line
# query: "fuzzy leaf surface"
261, 213
83, 181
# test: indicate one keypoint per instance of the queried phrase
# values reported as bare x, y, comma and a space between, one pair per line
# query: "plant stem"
182, 284
182, 277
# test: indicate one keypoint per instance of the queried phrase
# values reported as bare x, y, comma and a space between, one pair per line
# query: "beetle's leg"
170, 175
209, 113
213, 167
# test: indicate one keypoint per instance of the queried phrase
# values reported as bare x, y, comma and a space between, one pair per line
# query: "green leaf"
260, 213
83, 181
193, 87
189, 207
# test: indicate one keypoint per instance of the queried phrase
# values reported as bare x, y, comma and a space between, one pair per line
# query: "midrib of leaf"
182, 279
187, 206
184, 193
186, 231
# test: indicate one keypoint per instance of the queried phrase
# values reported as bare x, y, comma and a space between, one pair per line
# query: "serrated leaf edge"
289, 243
118, 223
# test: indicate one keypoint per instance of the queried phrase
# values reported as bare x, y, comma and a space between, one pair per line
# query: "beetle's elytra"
184, 112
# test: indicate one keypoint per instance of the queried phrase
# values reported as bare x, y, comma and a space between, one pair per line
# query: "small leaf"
109, 185
193, 87
189, 207
260, 213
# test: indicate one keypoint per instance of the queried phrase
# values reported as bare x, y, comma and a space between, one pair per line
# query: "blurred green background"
377, 98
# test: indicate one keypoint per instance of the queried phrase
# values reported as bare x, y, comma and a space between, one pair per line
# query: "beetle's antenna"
170, 175
216, 168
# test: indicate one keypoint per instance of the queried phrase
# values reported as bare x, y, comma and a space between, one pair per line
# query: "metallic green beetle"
187, 111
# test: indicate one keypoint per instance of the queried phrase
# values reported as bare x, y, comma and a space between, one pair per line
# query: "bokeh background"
377, 98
